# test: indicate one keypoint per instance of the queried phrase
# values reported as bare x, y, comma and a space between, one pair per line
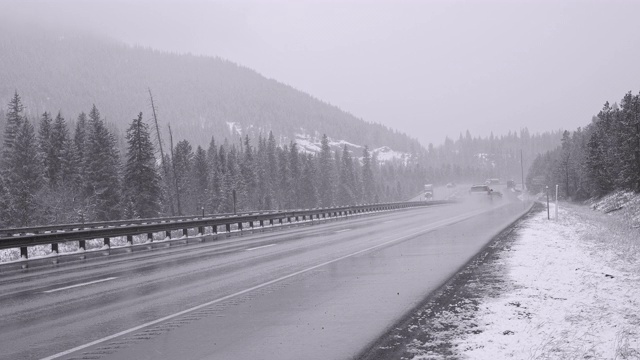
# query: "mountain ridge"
198, 95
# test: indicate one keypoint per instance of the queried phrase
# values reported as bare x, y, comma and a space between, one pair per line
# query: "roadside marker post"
556, 211
548, 215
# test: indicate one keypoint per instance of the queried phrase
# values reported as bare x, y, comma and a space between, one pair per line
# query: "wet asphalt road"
314, 292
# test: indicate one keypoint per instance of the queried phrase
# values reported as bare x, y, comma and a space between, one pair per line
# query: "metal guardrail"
107, 230
102, 224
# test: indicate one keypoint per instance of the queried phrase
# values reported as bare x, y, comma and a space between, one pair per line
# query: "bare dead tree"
163, 162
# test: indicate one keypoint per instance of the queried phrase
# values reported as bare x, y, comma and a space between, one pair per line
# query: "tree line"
50, 175
592, 161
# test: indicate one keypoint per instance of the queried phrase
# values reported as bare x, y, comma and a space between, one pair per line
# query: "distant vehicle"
428, 191
494, 181
484, 191
511, 184
451, 185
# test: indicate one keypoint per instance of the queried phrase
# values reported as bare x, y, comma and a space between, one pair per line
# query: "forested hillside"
58, 70
592, 161
52, 173
475, 159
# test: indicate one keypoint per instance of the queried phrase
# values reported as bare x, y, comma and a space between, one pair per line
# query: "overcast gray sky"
428, 68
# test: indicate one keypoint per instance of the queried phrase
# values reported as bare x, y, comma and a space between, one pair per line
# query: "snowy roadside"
570, 289
547, 289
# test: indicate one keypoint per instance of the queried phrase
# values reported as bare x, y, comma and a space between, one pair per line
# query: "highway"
322, 291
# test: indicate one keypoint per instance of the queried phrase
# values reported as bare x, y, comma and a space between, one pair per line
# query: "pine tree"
308, 190
272, 167
295, 171
200, 178
215, 178
142, 187
368, 182
24, 178
102, 185
45, 148
183, 162
13, 125
327, 174
347, 179
249, 175
63, 150
284, 183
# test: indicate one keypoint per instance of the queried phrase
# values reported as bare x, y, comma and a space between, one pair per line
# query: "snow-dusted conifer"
141, 180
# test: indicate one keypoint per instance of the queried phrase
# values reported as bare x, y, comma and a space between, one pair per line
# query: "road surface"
324, 291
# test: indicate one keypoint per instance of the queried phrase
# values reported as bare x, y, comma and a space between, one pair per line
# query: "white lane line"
78, 285
260, 247
343, 230
388, 221
433, 226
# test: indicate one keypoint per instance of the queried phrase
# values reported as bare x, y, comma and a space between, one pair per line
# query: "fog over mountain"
427, 68
199, 96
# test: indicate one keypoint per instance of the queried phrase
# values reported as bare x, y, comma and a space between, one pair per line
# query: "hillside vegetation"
595, 160
55, 70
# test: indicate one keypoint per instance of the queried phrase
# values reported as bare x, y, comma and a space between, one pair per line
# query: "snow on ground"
623, 204
385, 154
562, 289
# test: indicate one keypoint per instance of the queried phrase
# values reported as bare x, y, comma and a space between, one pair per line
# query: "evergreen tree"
102, 165
295, 171
214, 177
272, 167
200, 178
327, 176
308, 190
347, 179
368, 182
13, 125
249, 175
142, 187
45, 148
63, 151
183, 162
24, 178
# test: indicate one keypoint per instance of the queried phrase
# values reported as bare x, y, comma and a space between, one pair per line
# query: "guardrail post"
24, 253
167, 234
185, 232
228, 227
201, 230
240, 226
54, 248
107, 242
214, 229
261, 223
150, 236
130, 240
82, 244
251, 224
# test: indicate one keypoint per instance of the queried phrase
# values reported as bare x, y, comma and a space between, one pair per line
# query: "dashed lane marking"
78, 285
260, 247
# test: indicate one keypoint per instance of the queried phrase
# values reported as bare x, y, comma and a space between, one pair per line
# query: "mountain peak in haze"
198, 95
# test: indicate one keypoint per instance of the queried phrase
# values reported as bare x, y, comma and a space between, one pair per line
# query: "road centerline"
78, 285
339, 231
